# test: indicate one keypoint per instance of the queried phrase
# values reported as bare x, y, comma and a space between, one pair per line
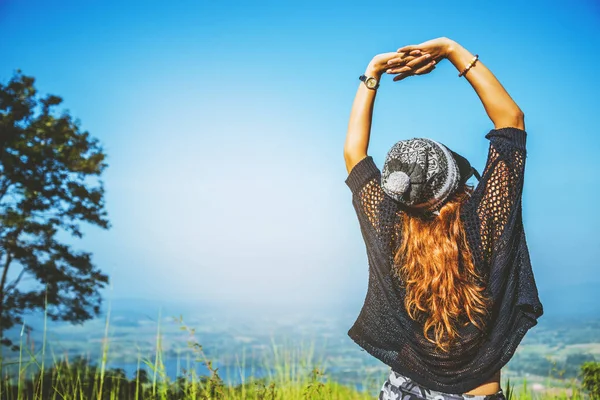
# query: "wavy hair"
435, 263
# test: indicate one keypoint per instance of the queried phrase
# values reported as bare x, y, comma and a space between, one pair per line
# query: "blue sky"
224, 124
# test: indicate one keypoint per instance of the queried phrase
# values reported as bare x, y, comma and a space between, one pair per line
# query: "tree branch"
14, 283
4, 188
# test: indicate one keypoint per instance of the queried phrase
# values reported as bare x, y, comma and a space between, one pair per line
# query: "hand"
379, 63
419, 66
437, 49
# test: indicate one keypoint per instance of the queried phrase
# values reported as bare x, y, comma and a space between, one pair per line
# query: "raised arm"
361, 115
498, 104
376, 212
359, 125
500, 107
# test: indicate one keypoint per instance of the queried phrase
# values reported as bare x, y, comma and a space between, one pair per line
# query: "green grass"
293, 374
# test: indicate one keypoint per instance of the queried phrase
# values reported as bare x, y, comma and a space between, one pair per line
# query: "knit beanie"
422, 174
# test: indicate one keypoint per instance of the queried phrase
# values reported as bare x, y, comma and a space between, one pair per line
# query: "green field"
44, 373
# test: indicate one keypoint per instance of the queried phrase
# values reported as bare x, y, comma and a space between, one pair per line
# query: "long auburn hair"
435, 262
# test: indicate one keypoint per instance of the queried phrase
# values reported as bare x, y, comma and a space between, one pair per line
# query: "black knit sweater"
493, 223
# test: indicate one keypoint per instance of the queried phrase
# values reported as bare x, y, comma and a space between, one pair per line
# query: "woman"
451, 291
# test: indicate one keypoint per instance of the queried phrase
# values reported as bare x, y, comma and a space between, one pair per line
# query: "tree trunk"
2, 285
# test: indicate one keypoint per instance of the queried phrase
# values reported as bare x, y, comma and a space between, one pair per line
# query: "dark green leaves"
49, 182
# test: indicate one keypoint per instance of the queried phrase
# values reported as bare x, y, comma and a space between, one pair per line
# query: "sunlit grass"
291, 373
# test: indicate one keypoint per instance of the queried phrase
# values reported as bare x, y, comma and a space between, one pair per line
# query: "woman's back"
492, 222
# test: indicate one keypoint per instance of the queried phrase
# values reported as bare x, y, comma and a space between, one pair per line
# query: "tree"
50, 182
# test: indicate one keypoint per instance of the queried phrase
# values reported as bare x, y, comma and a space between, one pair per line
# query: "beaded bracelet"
473, 61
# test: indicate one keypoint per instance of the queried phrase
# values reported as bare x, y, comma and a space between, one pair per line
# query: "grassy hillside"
290, 373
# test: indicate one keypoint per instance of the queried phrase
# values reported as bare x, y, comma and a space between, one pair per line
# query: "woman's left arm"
359, 126
361, 115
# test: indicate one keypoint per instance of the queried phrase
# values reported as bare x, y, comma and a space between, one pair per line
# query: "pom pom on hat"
398, 182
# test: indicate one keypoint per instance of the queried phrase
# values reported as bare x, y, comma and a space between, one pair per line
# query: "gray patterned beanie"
422, 174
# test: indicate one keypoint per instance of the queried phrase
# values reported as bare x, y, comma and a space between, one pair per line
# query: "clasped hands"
410, 60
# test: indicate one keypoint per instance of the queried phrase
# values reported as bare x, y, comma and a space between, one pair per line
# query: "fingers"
402, 58
399, 61
407, 49
406, 73
410, 50
414, 65
427, 68
398, 70
419, 60
400, 77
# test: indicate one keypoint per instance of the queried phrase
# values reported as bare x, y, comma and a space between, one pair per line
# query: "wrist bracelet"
473, 61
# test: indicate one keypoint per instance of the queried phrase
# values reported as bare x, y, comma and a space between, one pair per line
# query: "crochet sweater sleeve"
375, 210
498, 195
494, 225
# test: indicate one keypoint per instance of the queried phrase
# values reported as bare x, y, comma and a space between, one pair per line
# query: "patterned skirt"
400, 387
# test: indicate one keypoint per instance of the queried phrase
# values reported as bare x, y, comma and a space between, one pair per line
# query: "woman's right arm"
498, 104
500, 107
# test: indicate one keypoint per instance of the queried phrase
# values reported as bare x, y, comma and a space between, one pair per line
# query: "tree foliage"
50, 182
